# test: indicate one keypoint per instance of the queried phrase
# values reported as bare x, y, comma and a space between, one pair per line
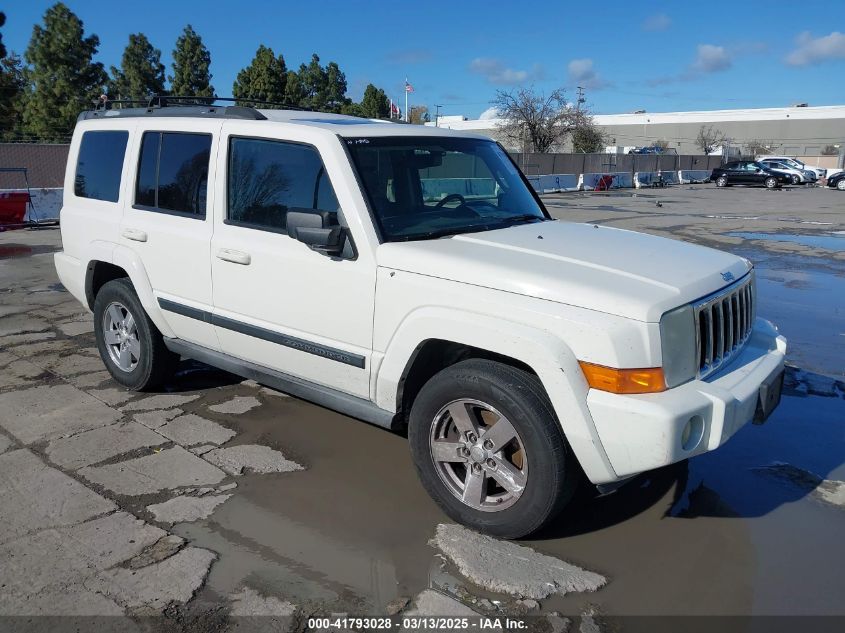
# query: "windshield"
429, 187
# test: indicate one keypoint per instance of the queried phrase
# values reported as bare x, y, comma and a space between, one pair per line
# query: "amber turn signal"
650, 380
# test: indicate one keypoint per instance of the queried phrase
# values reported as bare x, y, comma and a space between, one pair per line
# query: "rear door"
169, 224
277, 303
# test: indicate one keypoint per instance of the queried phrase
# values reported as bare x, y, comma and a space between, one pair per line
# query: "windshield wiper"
432, 235
526, 217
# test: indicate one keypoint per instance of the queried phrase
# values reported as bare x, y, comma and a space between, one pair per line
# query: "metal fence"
539, 164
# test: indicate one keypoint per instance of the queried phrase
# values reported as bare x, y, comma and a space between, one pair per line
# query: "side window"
268, 178
99, 165
173, 172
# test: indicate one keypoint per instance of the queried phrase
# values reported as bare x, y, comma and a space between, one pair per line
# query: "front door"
277, 303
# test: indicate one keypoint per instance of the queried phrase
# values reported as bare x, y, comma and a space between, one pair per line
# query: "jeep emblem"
728, 276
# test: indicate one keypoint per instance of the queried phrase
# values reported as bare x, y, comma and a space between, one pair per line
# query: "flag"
394, 110
408, 87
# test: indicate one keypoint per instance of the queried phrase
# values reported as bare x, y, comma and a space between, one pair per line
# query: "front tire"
771, 183
795, 179
129, 343
489, 449
841, 185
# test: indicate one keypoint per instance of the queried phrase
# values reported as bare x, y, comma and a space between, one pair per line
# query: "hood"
629, 274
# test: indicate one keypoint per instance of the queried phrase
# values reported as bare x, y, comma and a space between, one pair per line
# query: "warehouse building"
794, 131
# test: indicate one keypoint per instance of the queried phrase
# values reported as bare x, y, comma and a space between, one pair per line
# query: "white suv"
410, 277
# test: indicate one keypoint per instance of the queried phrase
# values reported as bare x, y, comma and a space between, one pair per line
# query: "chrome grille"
723, 323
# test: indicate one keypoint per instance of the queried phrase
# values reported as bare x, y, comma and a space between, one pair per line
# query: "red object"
13, 207
604, 183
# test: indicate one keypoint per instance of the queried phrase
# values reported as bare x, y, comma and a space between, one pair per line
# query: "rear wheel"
722, 181
489, 450
771, 182
129, 343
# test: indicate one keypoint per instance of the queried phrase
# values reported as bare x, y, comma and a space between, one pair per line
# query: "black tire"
154, 363
840, 185
520, 398
771, 182
795, 179
722, 181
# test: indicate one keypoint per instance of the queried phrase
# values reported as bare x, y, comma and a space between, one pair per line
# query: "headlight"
677, 341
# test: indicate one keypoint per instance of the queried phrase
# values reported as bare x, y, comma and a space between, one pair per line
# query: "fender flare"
548, 355
129, 261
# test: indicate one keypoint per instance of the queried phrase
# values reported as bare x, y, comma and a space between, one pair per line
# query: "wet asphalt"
742, 530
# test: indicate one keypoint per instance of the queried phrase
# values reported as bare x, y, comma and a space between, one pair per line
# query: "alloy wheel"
120, 333
478, 455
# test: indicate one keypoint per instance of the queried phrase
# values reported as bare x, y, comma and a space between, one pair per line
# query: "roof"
339, 124
836, 112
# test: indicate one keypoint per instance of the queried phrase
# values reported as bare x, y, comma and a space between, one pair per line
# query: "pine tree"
375, 103
294, 92
12, 85
2, 46
263, 80
62, 78
141, 73
191, 61
313, 80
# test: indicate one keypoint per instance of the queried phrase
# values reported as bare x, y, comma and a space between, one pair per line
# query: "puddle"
808, 306
831, 241
12, 251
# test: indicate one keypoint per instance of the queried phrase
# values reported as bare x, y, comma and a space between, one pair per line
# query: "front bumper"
644, 432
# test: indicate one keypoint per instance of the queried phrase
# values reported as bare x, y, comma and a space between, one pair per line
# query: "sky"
656, 56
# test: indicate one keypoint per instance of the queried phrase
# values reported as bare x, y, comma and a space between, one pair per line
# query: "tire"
795, 179
722, 181
771, 183
537, 464
841, 185
129, 343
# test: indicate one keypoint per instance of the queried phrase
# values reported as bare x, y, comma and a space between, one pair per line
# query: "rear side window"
99, 165
173, 172
268, 178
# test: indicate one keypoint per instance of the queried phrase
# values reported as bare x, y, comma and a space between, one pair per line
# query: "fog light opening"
692, 433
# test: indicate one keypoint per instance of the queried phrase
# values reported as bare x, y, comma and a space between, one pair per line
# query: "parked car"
798, 175
837, 181
820, 172
653, 149
410, 277
744, 172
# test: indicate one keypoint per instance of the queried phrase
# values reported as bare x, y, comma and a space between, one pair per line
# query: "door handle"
236, 257
136, 235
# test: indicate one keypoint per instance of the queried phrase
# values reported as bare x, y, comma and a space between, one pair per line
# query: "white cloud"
711, 59
489, 113
497, 73
582, 73
812, 50
657, 22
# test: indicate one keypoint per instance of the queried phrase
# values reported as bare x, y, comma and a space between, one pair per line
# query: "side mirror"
319, 230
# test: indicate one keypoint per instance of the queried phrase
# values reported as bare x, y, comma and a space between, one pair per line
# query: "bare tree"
829, 150
662, 143
709, 139
759, 146
544, 121
418, 114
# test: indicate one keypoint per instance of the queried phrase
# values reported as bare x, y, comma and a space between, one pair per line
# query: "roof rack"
181, 106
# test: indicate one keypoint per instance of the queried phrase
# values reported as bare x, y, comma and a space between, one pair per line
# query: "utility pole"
581, 99
437, 114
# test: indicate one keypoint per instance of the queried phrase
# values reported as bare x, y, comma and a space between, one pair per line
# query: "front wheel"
129, 343
841, 185
489, 450
771, 183
722, 181
795, 179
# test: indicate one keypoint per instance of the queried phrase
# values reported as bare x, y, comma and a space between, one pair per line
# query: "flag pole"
406, 101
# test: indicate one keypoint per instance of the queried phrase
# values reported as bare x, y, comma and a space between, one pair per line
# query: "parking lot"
220, 497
